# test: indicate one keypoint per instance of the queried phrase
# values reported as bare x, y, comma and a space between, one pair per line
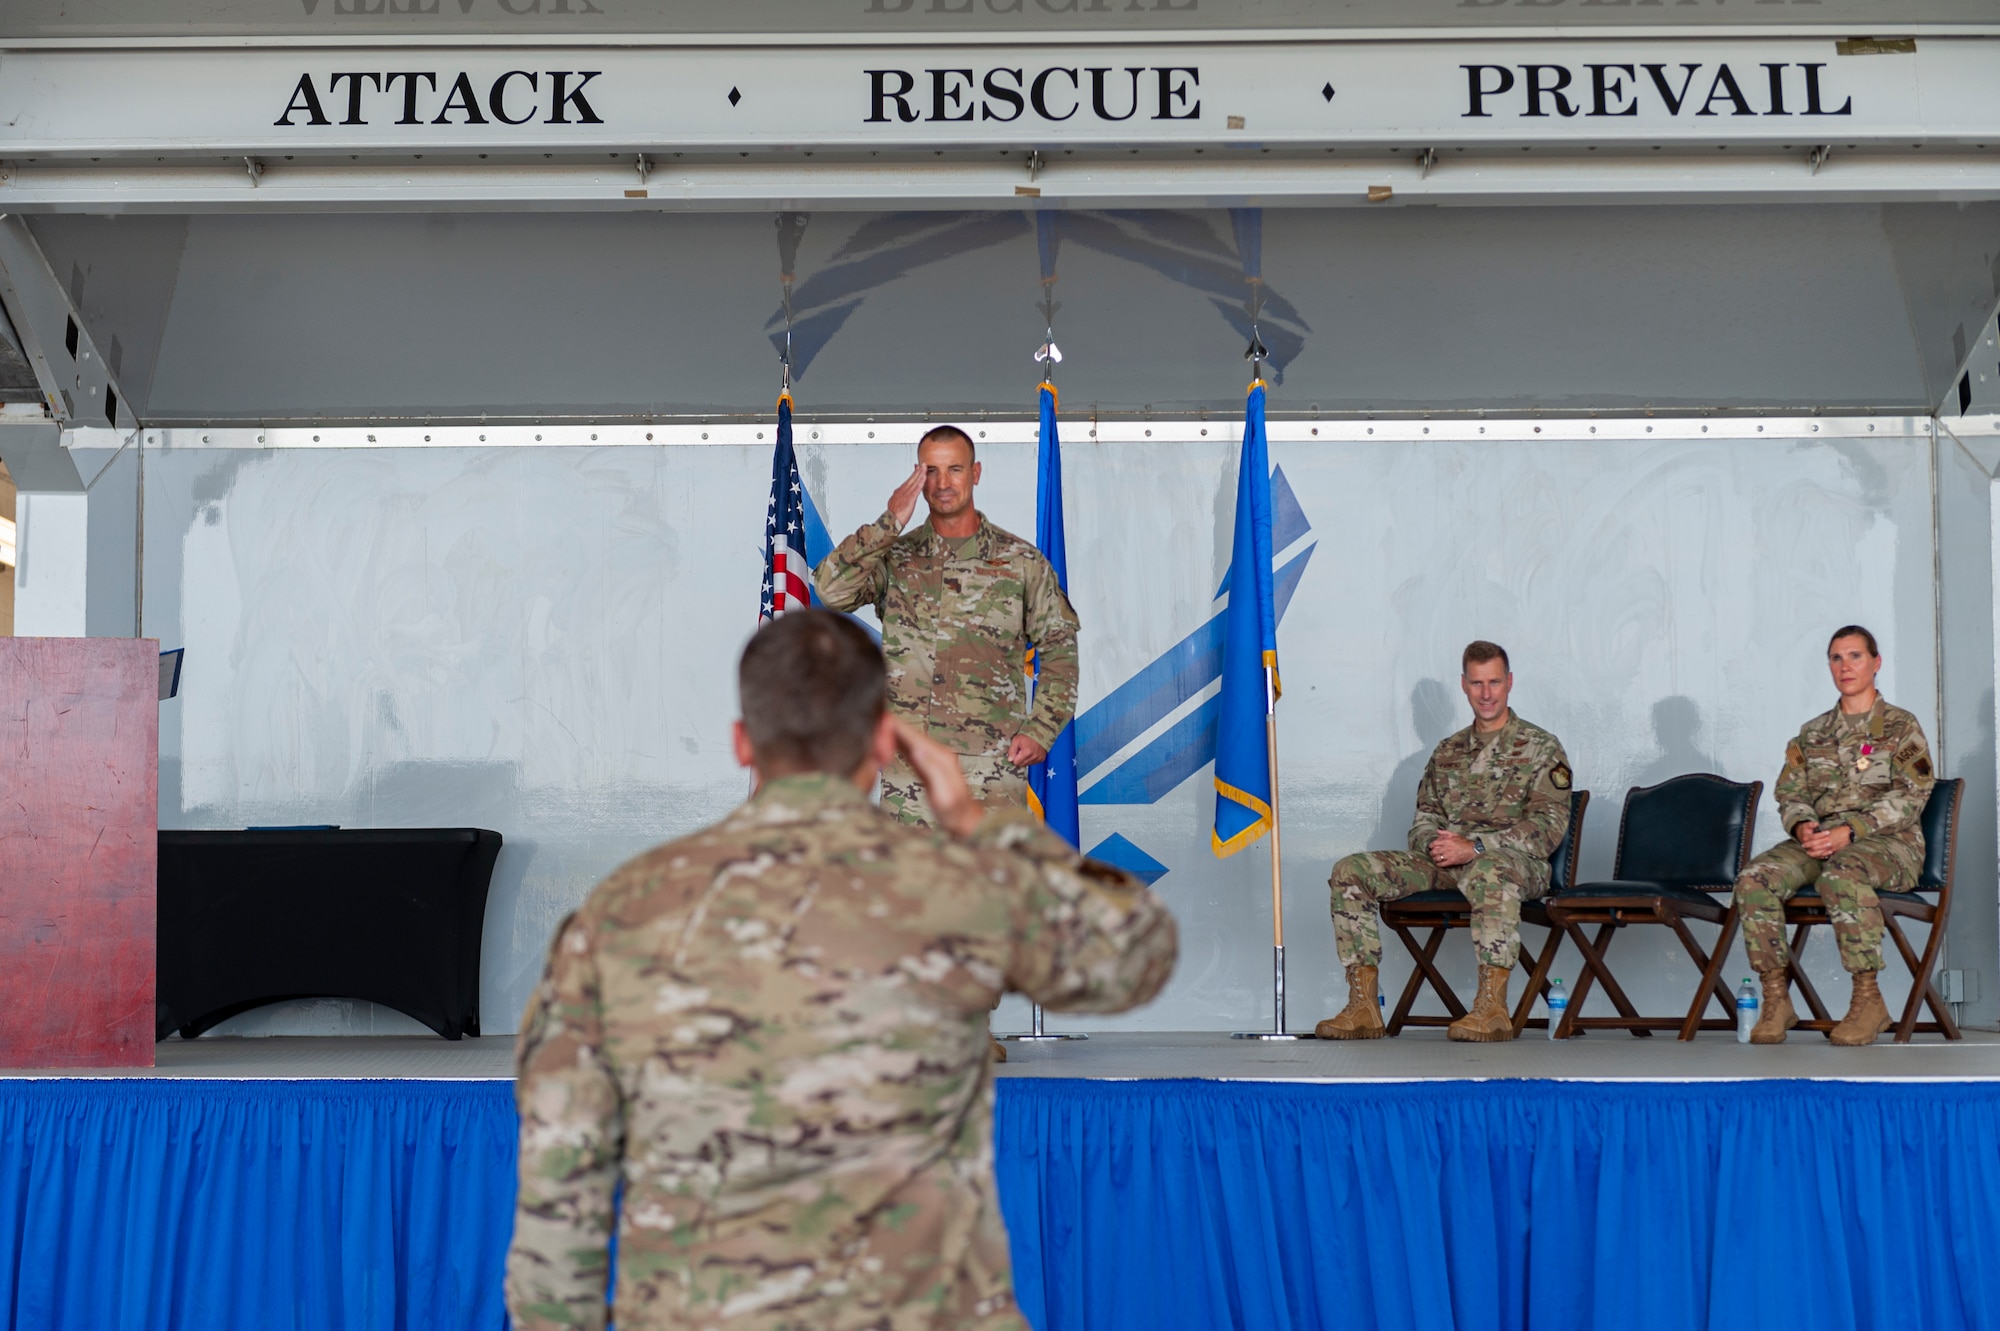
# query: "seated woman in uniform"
1851, 796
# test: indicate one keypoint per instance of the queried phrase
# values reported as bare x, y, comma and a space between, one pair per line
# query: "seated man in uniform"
1492, 807
772, 1034
1852, 798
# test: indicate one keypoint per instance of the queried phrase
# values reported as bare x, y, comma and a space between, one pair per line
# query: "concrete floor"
1413, 1056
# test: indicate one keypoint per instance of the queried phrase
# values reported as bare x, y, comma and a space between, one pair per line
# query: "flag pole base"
1277, 1031
1036, 1033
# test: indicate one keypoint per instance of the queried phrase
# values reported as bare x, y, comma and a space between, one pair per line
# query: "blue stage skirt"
1154, 1204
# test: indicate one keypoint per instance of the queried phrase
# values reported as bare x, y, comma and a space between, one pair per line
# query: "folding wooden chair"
1681, 845
1807, 910
1444, 909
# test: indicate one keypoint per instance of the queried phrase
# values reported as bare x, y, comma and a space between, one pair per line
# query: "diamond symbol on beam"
1327, 92
734, 97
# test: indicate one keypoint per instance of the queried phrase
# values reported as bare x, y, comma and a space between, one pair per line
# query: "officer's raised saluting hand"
903, 503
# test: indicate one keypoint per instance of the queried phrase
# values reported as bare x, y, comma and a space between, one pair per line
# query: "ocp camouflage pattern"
1824, 780
774, 1033
993, 781
956, 629
1495, 884
1512, 792
1871, 774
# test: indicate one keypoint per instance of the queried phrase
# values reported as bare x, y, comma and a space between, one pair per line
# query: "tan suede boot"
999, 1052
1489, 1018
1776, 1015
1867, 1015
1361, 1019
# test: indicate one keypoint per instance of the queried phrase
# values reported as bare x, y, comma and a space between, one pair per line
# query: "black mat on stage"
391, 916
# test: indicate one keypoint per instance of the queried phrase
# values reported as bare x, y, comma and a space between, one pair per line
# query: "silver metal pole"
1036, 1031
1278, 990
1277, 1031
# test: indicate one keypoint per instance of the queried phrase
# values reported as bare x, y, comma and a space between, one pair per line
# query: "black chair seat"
1442, 909
1437, 896
1451, 897
1807, 911
1810, 893
1911, 902
1639, 890
1680, 846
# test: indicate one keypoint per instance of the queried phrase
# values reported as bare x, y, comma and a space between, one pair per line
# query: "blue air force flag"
1243, 795
1052, 782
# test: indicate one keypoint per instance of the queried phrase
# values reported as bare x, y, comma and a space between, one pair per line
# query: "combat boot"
999, 1051
1489, 1018
1776, 1016
1867, 1015
1361, 1019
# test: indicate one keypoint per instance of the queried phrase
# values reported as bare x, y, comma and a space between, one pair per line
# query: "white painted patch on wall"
52, 532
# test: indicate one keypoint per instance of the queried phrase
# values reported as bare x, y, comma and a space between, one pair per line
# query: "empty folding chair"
1681, 845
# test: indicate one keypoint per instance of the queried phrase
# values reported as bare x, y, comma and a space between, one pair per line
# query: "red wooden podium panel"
79, 844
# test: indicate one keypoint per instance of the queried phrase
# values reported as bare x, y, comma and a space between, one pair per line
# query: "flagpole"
1277, 1031
1277, 872
1250, 243
1049, 539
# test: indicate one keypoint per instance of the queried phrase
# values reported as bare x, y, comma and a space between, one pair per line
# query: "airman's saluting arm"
1089, 937
857, 572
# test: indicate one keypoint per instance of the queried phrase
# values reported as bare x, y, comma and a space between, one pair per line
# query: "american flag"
787, 571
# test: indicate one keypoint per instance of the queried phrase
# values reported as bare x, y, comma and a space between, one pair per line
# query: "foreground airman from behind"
772, 1034
1492, 807
1852, 798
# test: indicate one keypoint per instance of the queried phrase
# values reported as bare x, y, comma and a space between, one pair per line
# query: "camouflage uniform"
957, 618
773, 1034
1511, 790
1871, 773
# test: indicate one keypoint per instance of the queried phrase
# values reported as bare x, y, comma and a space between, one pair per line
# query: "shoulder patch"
1922, 766
1559, 776
1794, 755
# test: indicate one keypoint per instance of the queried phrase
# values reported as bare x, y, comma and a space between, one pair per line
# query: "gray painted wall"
1838, 307
1966, 464
541, 640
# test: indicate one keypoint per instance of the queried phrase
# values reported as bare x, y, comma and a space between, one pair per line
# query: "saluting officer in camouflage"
1852, 798
1491, 809
772, 1034
960, 600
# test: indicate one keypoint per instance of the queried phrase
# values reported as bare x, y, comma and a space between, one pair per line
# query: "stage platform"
1150, 1182
1417, 1055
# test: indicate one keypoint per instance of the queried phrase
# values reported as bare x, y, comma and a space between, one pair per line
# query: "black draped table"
392, 916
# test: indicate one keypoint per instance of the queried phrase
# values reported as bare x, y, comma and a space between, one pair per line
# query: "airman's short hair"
813, 686
950, 433
1482, 650
1854, 631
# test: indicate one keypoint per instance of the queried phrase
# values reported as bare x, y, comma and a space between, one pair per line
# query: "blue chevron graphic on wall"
1180, 675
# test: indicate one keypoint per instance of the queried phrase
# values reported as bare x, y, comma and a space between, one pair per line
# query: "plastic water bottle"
1747, 1004
1558, 1006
